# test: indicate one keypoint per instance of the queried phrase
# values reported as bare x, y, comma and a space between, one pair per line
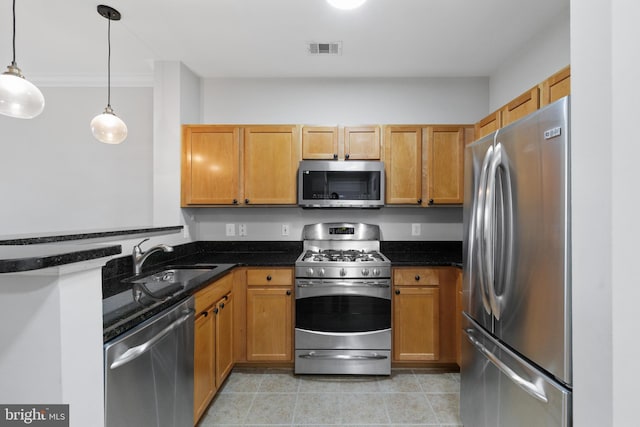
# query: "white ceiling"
67, 40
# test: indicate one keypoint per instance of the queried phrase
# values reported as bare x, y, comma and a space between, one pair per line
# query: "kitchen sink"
174, 275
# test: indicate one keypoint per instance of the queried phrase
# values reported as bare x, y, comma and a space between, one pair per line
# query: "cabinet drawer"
416, 276
209, 295
270, 277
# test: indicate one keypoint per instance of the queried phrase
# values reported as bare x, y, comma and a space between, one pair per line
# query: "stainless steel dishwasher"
148, 372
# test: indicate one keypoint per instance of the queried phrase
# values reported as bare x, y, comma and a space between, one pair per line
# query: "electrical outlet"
242, 229
415, 229
231, 229
285, 229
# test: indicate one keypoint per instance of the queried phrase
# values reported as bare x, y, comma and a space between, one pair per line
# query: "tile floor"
278, 398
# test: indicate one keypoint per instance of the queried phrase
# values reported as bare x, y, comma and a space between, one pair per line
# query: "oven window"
343, 313
319, 185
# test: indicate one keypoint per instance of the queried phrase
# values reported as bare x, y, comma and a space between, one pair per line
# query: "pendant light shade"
18, 97
107, 127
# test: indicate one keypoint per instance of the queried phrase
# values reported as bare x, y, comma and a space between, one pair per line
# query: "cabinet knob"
417, 277
221, 305
246, 201
346, 156
419, 201
335, 156
288, 292
397, 291
215, 310
226, 297
204, 314
235, 201
430, 201
269, 277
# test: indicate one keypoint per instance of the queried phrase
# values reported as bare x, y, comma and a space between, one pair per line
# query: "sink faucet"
139, 256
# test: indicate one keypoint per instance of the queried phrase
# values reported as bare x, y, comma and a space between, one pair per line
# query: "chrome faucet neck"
139, 256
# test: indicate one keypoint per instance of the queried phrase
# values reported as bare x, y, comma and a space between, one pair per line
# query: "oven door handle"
349, 284
313, 355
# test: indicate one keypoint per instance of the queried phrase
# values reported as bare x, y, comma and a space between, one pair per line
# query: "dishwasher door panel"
149, 372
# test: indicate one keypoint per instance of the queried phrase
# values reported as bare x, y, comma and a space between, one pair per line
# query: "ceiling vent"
331, 48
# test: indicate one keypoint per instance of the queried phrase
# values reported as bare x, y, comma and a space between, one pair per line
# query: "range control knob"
321, 272
376, 271
310, 272
343, 272
365, 271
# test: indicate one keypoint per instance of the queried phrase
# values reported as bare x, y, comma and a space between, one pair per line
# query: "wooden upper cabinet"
362, 143
523, 105
210, 164
403, 164
271, 157
555, 87
489, 124
443, 175
320, 142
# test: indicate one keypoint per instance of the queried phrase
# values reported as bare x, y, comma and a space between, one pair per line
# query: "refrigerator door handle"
479, 213
530, 387
501, 286
488, 226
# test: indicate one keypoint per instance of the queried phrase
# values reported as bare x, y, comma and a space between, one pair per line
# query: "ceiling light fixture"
346, 4
18, 96
107, 127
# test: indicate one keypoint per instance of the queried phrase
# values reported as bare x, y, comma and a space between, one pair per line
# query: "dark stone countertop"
15, 259
423, 253
40, 238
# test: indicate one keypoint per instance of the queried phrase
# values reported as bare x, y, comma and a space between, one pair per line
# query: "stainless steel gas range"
343, 301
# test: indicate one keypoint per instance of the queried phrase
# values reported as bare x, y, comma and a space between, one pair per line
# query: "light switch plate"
285, 229
231, 229
415, 229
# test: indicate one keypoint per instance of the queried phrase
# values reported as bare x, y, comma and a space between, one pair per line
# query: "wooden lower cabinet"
269, 315
213, 342
424, 316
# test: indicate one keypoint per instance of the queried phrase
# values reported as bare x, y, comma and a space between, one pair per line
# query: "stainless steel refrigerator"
516, 338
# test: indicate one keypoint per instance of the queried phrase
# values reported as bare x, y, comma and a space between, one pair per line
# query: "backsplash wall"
265, 223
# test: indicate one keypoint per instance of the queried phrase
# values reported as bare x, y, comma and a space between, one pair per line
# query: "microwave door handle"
478, 215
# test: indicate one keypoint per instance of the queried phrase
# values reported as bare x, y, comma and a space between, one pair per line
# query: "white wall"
605, 65
345, 101
54, 176
339, 101
539, 58
439, 223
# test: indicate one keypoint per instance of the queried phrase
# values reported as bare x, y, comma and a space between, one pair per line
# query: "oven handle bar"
350, 284
313, 355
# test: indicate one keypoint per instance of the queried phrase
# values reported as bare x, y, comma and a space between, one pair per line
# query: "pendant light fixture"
18, 96
107, 127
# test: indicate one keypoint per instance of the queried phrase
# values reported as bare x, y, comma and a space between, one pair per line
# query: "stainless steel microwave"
341, 184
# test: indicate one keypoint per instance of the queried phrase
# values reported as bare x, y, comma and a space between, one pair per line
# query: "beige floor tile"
317, 408
446, 406
242, 382
227, 409
363, 409
278, 382
438, 383
400, 382
272, 408
359, 384
318, 384
409, 408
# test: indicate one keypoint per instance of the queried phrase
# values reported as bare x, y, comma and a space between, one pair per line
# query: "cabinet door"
319, 142
210, 165
203, 362
444, 165
269, 324
403, 164
362, 143
224, 338
489, 124
555, 87
415, 323
523, 105
271, 157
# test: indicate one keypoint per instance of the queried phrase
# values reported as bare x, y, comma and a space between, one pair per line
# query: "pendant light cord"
108, 64
13, 62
